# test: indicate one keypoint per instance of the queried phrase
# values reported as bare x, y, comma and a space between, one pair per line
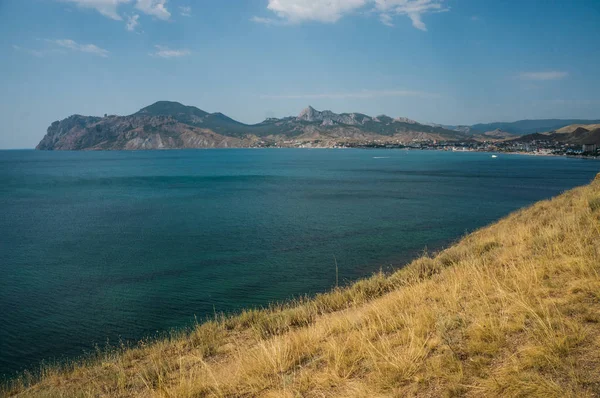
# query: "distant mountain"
165, 125
573, 127
522, 127
179, 111
497, 135
460, 128
193, 116
576, 135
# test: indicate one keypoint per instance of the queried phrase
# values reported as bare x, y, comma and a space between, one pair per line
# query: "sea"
114, 247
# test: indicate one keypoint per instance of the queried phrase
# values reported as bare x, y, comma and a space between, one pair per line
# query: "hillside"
495, 135
511, 310
572, 127
574, 134
522, 127
170, 125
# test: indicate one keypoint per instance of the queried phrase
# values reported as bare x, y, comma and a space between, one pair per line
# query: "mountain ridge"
528, 126
172, 125
577, 136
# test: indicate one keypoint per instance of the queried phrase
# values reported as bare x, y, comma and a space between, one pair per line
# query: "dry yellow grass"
572, 127
511, 310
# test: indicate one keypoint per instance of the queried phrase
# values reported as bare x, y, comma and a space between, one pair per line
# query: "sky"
442, 61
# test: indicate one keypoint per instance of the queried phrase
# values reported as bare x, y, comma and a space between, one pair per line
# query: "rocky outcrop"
328, 118
132, 133
67, 133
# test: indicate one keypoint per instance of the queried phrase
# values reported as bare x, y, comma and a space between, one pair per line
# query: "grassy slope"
572, 127
511, 310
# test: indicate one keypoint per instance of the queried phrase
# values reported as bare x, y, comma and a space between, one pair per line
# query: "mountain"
497, 135
523, 127
169, 125
575, 135
132, 132
179, 111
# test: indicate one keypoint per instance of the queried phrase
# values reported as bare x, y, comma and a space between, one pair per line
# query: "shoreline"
312, 148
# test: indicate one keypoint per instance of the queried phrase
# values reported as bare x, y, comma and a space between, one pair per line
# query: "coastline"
406, 148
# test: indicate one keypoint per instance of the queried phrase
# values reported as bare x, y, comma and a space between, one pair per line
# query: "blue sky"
443, 61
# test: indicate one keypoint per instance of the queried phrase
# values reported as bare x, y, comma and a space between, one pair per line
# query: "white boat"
494, 156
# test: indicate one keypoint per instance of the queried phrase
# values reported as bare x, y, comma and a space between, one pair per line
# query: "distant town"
533, 147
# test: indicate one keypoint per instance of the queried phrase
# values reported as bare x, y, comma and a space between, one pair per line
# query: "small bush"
207, 338
594, 204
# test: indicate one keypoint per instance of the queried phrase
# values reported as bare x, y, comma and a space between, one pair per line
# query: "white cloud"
166, 52
417, 22
185, 11
155, 8
110, 8
547, 75
357, 94
297, 11
414, 9
85, 48
132, 22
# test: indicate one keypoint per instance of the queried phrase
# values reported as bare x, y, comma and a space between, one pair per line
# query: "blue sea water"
99, 246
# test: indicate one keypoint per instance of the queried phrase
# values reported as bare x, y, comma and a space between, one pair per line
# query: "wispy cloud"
298, 11
545, 75
132, 22
156, 8
414, 9
166, 52
38, 53
185, 11
268, 21
386, 19
110, 8
576, 102
84, 48
357, 94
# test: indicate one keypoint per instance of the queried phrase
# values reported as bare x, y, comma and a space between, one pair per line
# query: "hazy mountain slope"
179, 111
522, 127
572, 127
512, 310
578, 136
495, 135
193, 116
